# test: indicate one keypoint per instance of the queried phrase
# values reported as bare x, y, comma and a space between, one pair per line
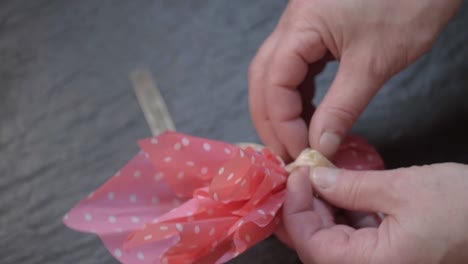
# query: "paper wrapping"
184, 199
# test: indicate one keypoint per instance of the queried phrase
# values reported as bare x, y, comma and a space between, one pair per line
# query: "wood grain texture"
69, 117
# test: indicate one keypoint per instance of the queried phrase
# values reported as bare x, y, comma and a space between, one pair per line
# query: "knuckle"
352, 191
399, 52
423, 39
302, 6
396, 185
381, 67
303, 14
257, 66
347, 116
297, 4
255, 69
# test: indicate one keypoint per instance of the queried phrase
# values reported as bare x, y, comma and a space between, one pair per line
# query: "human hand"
373, 40
426, 212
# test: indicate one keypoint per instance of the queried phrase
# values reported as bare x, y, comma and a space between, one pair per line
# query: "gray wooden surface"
69, 118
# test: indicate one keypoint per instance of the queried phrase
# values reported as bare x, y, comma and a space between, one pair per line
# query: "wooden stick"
151, 102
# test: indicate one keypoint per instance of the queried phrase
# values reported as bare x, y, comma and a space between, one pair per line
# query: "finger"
367, 191
340, 244
348, 96
257, 81
313, 241
361, 219
324, 210
283, 236
299, 217
344, 228
295, 50
288, 69
285, 110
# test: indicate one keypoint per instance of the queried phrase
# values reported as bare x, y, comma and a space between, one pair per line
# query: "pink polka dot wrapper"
184, 199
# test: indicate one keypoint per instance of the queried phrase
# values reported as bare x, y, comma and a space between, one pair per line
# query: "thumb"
365, 191
354, 86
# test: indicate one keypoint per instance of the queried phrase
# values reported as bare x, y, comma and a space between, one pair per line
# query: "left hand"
330, 216
426, 215
372, 39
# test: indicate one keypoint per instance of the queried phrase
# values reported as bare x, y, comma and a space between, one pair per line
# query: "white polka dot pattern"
179, 190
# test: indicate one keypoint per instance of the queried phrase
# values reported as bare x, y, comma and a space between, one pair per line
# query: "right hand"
372, 39
426, 212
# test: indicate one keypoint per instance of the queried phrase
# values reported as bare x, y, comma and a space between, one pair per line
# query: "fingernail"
329, 143
324, 178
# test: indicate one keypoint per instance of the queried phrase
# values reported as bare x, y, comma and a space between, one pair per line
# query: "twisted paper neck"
308, 157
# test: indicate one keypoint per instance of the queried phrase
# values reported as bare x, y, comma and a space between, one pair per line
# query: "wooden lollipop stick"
151, 102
